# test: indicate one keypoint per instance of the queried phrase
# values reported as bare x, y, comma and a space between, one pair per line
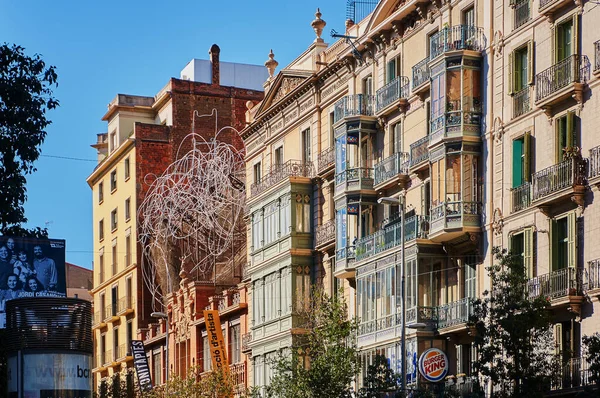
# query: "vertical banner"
218, 349
140, 362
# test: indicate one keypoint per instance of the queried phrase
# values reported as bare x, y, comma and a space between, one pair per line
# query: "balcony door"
564, 40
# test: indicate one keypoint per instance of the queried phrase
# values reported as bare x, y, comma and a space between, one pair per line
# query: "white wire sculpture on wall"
192, 216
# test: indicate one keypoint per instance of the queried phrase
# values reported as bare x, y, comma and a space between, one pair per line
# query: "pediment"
383, 10
285, 83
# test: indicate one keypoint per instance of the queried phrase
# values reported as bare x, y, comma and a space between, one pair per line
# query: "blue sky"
102, 48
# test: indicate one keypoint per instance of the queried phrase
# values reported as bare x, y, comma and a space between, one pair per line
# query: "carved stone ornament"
271, 64
287, 85
318, 24
498, 129
497, 221
498, 43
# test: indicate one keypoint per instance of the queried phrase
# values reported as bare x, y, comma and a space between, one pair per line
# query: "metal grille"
49, 323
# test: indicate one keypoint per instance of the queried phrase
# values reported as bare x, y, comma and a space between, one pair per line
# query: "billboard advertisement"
140, 362
50, 376
30, 267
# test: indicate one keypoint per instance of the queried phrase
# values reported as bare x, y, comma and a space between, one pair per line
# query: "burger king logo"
433, 365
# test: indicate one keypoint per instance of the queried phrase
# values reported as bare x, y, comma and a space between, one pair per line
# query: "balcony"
563, 286
457, 122
419, 153
422, 316
278, 173
123, 353
452, 219
99, 320
238, 374
594, 162
107, 313
522, 12
597, 57
521, 103
420, 76
454, 315
392, 171
594, 277
390, 237
456, 38
107, 358
325, 234
353, 105
520, 197
344, 262
378, 330
548, 7
392, 96
246, 340
356, 179
575, 374
566, 179
125, 306
563, 80
326, 161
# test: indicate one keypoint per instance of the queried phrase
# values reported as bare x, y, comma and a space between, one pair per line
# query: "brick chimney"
214, 61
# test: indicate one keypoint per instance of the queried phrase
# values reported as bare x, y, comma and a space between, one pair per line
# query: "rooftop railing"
573, 69
278, 173
392, 92
390, 167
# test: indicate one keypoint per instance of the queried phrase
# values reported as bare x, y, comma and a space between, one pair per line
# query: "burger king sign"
433, 365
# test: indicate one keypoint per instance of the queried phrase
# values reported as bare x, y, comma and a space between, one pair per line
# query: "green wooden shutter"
572, 239
517, 165
575, 35
558, 339
530, 58
551, 238
511, 68
528, 252
527, 158
570, 133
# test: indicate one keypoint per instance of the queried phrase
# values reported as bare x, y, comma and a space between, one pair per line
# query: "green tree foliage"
380, 380
513, 333
325, 362
25, 97
592, 346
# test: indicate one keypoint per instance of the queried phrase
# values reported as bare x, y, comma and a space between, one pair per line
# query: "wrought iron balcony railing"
571, 171
420, 314
574, 373
556, 284
458, 37
353, 105
124, 304
238, 373
390, 167
597, 56
594, 273
390, 236
521, 103
354, 178
326, 159
420, 73
419, 151
392, 92
325, 233
521, 197
455, 215
573, 69
594, 162
342, 254
522, 12
455, 313
278, 173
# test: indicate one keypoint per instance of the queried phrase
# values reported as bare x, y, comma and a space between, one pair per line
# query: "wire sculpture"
192, 217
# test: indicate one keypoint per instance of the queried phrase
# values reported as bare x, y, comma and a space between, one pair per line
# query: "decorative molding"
498, 43
497, 221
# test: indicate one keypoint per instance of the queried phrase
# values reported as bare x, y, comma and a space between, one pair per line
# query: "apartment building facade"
471, 117
143, 139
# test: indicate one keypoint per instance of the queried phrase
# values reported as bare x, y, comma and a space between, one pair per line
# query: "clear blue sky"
102, 48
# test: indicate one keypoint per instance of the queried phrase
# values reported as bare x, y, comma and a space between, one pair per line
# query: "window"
156, 367
114, 291
113, 141
257, 173
392, 69
113, 219
302, 213
258, 297
129, 293
468, 16
302, 287
521, 68
116, 343
521, 160
127, 250
101, 265
567, 134
396, 143
271, 223
470, 275
563, 242
567, 337
114, 257
113, 180
306, 149
127, 171
207, 365
284, 216
566, 39
257, 230
271, 297
102, 306
522, 12
101, 230
234, 344
438, 98
279, 157
521, 245
100, 192
331, 129
367, 86
127, 209
103, 348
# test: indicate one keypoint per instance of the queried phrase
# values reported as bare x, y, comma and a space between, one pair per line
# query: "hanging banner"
433, 365
140, 362
218, 349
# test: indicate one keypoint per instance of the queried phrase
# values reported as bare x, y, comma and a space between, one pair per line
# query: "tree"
25, 97
324, 363
592, 346
513, 333
380, 380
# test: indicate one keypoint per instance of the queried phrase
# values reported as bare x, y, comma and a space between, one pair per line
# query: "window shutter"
528, 252
572, 236
527, 159
517, 167
570, 133
511, 69
575, 35
530, 58
551, 236
558, 344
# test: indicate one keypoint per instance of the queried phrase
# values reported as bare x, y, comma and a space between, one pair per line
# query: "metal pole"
403, 293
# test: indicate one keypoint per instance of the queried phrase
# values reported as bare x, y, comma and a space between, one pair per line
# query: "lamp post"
401, 203
162, 315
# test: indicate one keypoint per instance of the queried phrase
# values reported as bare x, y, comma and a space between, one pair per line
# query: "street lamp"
162, 315
401, 203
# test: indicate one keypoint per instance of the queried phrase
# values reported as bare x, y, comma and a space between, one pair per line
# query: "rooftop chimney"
214, 60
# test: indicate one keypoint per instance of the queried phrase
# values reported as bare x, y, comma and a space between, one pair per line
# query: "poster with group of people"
30, 268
